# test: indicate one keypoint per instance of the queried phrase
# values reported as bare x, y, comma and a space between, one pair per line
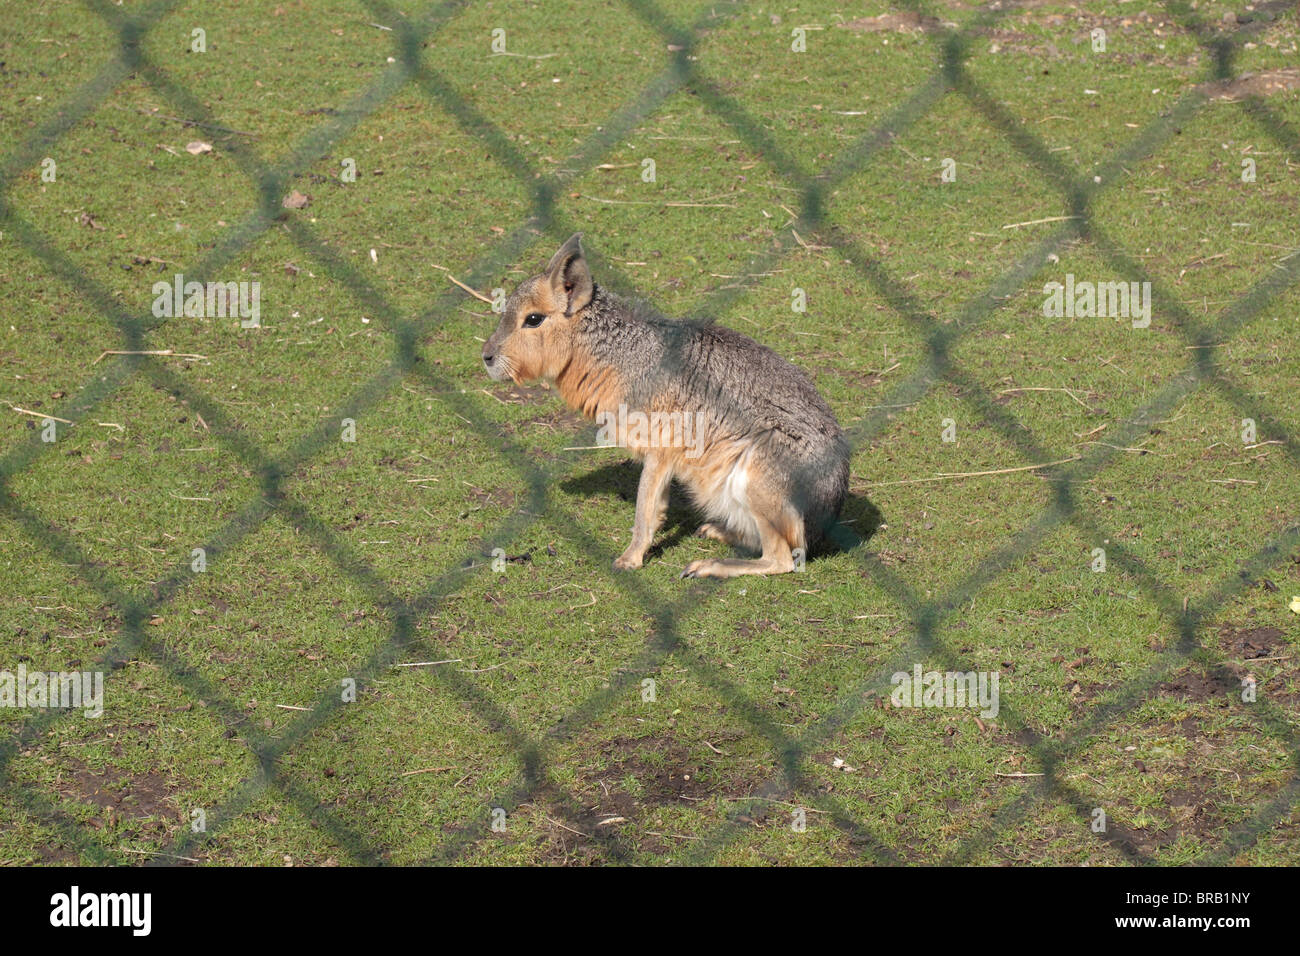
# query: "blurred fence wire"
953, 46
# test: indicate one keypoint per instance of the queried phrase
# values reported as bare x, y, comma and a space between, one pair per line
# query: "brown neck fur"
589, 386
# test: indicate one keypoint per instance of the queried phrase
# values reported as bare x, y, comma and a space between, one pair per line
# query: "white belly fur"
728, 502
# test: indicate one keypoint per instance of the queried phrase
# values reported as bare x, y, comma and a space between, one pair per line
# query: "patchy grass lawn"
411, 646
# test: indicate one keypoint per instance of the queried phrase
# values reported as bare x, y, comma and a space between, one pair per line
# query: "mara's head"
534, 339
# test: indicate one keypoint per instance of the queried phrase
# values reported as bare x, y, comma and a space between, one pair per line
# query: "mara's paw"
704, 568
732, 567
627, 561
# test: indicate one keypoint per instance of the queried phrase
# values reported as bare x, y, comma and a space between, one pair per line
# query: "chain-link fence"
953, 47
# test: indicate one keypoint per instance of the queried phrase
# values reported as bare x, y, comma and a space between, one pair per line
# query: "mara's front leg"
651, 505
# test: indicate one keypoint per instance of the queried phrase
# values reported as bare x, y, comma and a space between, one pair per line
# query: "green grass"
333, 561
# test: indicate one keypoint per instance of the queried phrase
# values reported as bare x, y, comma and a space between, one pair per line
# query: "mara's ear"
569, 276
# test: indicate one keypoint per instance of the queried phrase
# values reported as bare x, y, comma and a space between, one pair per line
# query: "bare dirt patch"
667, 770
904, 22
499, 497
1198, 685
1254, 642
1248, 85
1072, 31
137, 797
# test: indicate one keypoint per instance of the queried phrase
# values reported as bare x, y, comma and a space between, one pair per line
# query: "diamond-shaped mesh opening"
960, 199
1201, 253
383, 773
264, 382
415, 510
427, 169
1088, 102
520, 76
751, 65
1189, 500
1191, 766
161, 208
144, 454
267, 665
1070, 375
946, 503
265, 104
39, 76
687, 205
128, 783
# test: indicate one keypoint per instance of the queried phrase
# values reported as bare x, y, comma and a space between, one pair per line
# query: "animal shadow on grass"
858, 522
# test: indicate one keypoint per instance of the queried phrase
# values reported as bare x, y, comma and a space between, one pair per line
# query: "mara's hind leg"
776, 537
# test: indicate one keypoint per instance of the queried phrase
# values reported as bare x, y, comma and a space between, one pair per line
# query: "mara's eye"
533, 319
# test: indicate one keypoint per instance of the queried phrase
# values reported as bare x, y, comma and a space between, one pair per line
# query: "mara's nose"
487, 358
